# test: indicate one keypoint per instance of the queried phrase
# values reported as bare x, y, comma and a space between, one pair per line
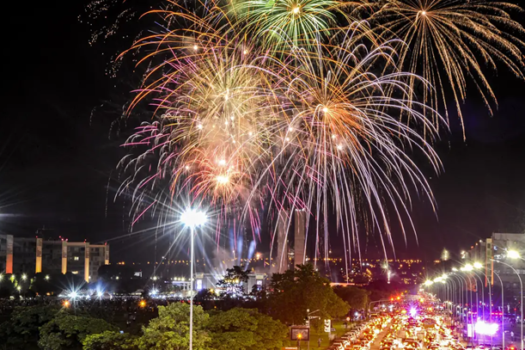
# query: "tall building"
36, 255
281, 259
299, 237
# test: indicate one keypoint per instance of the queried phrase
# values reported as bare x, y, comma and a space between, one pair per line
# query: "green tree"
109, 340
356, 297
297, 290
67, 331
245, 329
21, 331
171, 329
234, 279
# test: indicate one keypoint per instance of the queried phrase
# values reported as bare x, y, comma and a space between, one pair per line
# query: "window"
76, 258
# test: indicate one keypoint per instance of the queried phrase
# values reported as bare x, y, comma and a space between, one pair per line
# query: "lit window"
75, 258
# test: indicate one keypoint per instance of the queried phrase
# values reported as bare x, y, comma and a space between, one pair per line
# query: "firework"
279, 23
246, 131
448, 42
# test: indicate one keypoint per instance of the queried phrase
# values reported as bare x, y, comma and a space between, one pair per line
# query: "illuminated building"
281, 258
299, 237
36, 255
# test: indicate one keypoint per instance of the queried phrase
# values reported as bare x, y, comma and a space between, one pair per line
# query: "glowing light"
193, 218
24, 276
513, 254
223, 179
47, 278
66, 303
424, 13
222, 162
73, 295
296, 10
195, 47
484, 328
142, 303
478, 265
325, 110
469, 267
340, 147
413, 312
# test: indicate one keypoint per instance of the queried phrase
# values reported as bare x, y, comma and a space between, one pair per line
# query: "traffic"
406, 324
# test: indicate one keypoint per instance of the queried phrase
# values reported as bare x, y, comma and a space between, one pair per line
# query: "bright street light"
513, 254
478, 265
192, 218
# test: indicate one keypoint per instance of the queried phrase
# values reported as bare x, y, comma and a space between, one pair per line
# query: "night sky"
57, 157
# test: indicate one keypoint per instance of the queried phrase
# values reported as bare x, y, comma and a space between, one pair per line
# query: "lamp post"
502, 312
521, 293
192, 218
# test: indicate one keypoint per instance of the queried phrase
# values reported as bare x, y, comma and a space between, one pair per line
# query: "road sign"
327, 326
299, 333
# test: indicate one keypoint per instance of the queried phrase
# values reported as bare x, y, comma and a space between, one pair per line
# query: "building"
281, 258
36, 255
499, 268
209, 281
299, 237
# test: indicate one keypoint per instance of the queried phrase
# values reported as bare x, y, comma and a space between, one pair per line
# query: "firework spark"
249, 132
448, 42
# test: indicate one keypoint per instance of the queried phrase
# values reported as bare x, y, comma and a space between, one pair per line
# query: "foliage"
67, 331
245, 329
204, 295
381, 289
356, 297
21, 331
108, 340
297, 290
234, 279
171, 329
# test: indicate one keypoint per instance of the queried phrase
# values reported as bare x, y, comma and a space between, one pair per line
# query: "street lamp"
516, 255
513, 254
192, 218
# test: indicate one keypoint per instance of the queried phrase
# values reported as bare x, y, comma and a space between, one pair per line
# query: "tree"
357, 298
297, 290
171, 329
67, 331
109, 340
245, 329
234, 279
21, 331
204, 295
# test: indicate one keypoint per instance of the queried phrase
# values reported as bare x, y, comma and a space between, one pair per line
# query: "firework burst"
248, 132
279, 23
448, 42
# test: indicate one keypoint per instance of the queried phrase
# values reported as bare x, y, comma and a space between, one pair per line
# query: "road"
377, 342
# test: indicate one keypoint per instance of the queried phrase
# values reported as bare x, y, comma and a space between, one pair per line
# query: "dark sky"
56, 157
